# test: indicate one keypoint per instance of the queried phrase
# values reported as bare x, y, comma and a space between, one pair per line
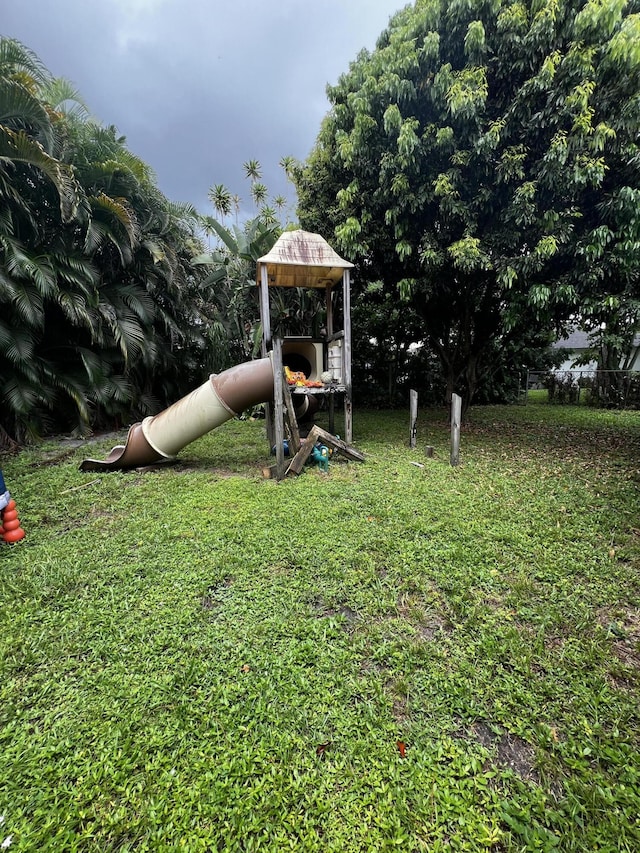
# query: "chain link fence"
610, 389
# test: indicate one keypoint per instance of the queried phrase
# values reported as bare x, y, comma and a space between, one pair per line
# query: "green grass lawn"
387, 657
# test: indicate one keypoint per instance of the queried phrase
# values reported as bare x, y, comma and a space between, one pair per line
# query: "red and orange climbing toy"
10, 529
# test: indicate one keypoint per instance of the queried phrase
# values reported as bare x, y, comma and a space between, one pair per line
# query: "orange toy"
10, 528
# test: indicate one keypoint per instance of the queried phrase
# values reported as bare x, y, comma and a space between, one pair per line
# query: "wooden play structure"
306, 260
298, 259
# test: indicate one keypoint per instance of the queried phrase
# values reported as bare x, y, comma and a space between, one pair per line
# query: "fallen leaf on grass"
402, 748
321, 749
245, 668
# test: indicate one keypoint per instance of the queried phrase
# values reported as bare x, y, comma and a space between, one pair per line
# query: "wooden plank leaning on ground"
290, 420
318, 434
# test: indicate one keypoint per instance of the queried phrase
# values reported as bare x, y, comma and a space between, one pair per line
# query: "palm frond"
20, 109
229, 241
17, 345
17, 59
19, 147
28, 304
136, 300
64, 98
120, 210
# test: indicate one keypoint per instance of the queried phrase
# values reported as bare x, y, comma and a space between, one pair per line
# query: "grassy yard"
387, 657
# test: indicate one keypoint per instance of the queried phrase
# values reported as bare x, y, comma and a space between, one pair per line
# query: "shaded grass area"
385, 657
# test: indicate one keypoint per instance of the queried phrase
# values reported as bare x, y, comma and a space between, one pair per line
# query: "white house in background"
577, 343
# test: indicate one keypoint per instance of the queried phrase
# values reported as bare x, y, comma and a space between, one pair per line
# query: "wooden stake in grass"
456, 417
413, 417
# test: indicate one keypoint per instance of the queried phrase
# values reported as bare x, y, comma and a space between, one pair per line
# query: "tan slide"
160, 437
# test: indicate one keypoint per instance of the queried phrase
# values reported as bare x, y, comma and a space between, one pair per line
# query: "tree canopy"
483, 162
100, 307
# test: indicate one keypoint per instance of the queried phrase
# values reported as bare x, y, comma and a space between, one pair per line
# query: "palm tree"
268, 216
258, 193
252, 170
99, 304
288, 163
232, 280
222, 199
40, 282
236, 206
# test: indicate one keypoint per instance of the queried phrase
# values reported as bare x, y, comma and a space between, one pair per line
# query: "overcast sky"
198, 87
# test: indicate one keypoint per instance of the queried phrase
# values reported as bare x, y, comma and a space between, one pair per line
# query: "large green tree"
483, 162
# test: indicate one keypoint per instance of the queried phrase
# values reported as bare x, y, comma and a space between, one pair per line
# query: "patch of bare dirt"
510, 751
324, 611
424, 615
214, 598
622, 627
398, 695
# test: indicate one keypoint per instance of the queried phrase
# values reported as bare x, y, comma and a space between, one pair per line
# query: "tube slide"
159, 437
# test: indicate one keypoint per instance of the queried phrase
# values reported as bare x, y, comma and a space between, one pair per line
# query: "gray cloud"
199, 87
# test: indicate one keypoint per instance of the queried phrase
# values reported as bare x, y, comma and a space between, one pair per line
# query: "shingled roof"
302, 259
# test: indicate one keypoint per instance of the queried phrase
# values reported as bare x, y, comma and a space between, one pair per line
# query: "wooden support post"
329, 304
332, 413
265, 322
265, 311
291, 422
277, 408
456, 417
346, 311
413, 417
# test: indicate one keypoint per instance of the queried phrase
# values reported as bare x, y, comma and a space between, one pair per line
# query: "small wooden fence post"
456, 417
413, 417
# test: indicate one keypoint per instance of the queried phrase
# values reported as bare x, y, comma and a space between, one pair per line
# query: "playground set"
291, 378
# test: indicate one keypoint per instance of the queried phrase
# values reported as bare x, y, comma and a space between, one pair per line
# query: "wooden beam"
265, 311
456, 417
265, 322
277, 406
346, 364
290, 418
329, 301
340, 446
318, 434
413, 417
298, 461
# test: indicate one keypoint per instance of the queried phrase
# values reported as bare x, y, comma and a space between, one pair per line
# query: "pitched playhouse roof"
302, 259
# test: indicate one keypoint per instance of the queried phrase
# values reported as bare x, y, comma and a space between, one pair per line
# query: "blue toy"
285, 447
320, 454
5, 497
